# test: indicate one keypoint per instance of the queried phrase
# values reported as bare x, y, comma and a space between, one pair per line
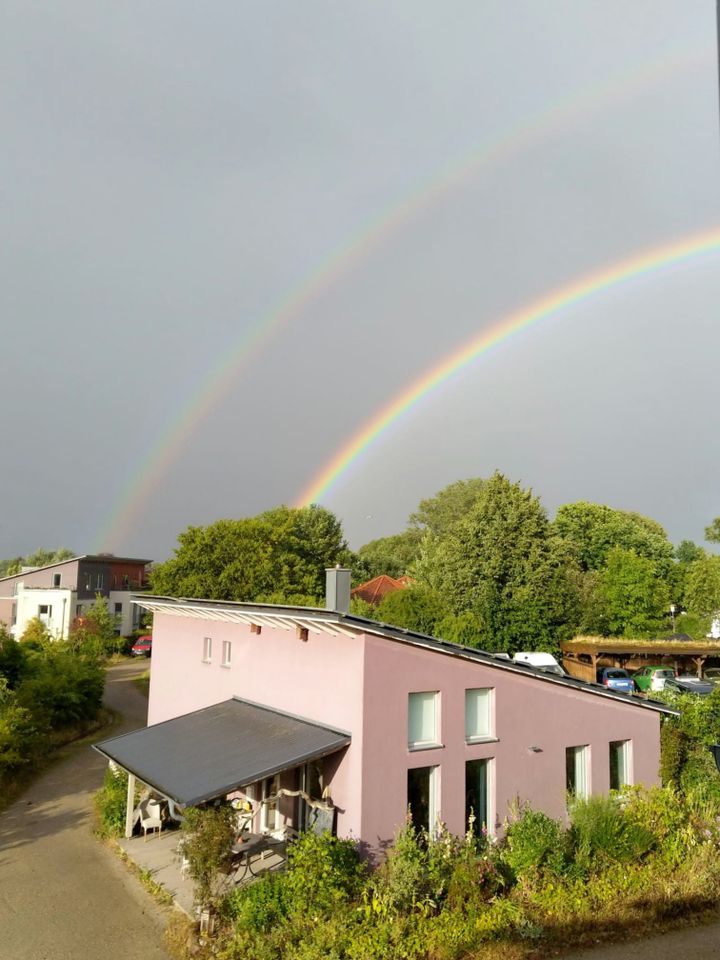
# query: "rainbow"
558, 300
216, 385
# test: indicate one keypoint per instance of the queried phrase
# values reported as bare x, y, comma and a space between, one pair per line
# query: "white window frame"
582, 770
226, 653
207, 650
424, 743
625, 761
476, 732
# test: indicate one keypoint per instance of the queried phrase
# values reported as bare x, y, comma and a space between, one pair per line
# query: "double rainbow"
647, 262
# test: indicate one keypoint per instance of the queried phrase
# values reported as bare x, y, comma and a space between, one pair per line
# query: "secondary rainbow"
238, 356
591, 284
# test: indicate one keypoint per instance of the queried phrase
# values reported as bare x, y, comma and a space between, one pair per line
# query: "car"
142, 646
713, 675
541, 661
615, 678
652, 677
700, 688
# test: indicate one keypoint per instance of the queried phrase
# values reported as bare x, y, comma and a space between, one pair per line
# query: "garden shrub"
536, 844
259, 906
601, 835
322, 870
62, 688
21, 740
674, 745
111, 801
208, 837
13, 658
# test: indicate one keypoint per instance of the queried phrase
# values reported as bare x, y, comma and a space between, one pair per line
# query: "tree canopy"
40, 558
594, 530
502, 564
278, 556
437, 515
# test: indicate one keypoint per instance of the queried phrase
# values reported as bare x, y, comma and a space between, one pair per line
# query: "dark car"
614, 678
713, 675
700, 688
142, 646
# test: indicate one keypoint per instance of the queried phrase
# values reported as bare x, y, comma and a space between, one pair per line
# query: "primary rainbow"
641, 264
238, 356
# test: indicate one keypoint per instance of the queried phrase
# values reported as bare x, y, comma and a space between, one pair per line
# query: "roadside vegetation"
625, 865
50, 692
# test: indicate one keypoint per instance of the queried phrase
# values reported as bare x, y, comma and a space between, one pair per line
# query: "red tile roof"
374, 590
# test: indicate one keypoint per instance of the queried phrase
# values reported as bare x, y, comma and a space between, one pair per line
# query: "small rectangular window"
423, 720
226, 653
118, 608
576, 771
422, 797
57, 579
619, 764
207, 649
478, 718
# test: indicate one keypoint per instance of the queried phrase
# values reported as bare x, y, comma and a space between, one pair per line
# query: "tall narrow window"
422, 796
619, 764
476, 794
423, 720
207, 649
576, 771
226, 653
478, 716
57, 579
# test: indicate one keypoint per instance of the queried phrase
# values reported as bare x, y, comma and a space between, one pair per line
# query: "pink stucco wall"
529, 712
361, 684
319, 679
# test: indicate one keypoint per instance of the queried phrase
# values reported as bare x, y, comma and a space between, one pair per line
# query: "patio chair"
150, 816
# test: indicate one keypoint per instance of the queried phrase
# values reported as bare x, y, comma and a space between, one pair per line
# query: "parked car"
694, 685
615, 678
652, 677
713, 675
142, 646
541, 661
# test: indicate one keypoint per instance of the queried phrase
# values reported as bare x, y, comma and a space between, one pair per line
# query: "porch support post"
130, 807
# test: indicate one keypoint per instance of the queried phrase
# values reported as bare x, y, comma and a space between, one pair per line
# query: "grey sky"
172, 171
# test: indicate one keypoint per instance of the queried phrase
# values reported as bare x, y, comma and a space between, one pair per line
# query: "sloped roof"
211, 752
334, 623
373, 591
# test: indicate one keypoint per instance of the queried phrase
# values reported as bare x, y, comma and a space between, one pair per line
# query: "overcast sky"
173, 171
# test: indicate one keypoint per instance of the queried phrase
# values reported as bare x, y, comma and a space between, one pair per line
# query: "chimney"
337, 589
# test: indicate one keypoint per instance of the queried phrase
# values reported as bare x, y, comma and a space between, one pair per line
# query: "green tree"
502, 565
278, 556
593, 530
13, 659
702, 586
393, 555
712, 532
635, 597
437, 515
415, 608
96, 632
40, 558
688, 552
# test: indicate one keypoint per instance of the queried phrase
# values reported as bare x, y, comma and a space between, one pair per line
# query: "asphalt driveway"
63, 894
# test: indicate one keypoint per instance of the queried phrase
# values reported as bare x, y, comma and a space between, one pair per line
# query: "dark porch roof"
210, 752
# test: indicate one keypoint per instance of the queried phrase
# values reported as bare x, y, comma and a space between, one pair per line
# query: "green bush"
62, 688
21, 740
536, 845
323, 870
259, 906
208, 837
111, 802
601, 834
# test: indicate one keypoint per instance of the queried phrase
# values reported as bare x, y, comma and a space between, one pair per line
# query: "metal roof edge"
293, 716
402, 635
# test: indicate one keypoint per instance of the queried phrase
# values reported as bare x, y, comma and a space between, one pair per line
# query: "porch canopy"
209, 753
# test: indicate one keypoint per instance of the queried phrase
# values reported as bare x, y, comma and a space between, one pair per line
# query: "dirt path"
63, 894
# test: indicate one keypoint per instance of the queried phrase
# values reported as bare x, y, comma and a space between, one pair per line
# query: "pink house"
318, 710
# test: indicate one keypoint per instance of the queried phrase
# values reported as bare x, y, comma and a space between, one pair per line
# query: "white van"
543, 661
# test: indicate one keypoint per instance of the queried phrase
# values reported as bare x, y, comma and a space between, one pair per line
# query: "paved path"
63, 894
689, 943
